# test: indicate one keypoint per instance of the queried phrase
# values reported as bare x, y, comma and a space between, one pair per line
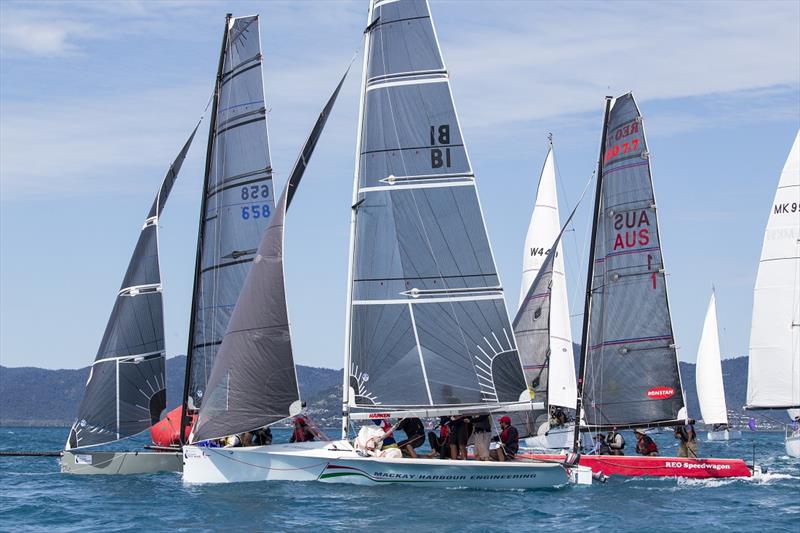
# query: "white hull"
556, 439
726, 434
793, 445
110, 463
337, 462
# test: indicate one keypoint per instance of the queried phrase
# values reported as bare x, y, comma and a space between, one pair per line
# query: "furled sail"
773, 378
631, 376
253, 382
126, 390
710, 388
237, 198
557, 386
427, 323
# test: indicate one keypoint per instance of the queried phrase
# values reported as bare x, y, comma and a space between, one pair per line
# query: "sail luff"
132, 343
773, 376
710, 387
201, 233
346, 394
587, 306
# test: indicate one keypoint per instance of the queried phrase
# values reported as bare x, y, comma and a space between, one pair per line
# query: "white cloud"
42, 37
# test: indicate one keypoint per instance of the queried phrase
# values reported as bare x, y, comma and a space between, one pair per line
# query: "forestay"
631, 375
253, 382
710, 388
237, 197
557, 380
427, 324
126, 391
773, 380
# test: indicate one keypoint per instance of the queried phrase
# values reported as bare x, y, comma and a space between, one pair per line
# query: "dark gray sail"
253, 382
237, 198
631, 376
428, 324
125, 393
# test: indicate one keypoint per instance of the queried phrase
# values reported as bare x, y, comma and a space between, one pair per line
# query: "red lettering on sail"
660, 393
635, 235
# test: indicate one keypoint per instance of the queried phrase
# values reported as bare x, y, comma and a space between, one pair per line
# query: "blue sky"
96, 99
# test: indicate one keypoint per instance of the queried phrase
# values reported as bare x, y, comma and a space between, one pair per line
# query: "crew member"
687, 446
616, 442
644, 444
482, 436
415, 436
508, 439
301, 433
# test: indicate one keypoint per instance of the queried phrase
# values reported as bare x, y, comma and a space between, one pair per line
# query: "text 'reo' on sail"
428, 325
708, 376
237, 197
773, 378
126, 390
631, 375
253, 382
556, 385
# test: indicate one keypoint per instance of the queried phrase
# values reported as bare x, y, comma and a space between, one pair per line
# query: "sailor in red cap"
508, 439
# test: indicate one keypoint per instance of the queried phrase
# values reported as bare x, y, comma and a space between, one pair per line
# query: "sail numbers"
256, 210
623, 146
787, 207
441, 135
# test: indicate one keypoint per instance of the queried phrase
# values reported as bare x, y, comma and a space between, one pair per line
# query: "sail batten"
773, 378
427, 323
131, 356
630, 370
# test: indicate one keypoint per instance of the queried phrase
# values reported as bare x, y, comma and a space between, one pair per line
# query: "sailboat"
235, 209
553, 373
773, 377
427, 329
710, 388
126, 390
629, 375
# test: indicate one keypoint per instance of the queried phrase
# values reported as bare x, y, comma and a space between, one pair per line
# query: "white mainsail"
773, 379
545, 226
710, 388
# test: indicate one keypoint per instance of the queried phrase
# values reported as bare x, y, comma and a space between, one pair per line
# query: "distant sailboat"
126, 390
553, 382
710, 387
773, 378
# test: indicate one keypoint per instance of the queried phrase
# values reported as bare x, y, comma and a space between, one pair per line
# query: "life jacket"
612, 441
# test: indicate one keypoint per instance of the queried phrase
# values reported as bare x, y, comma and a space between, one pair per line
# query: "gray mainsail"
253, 382
237, 198
126, 391
630, 374
427, 321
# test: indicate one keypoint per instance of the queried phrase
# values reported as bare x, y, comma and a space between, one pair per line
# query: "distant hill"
38, 397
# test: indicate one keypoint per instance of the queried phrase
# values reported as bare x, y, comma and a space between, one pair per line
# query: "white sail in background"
544, 228
773, 379
710, 389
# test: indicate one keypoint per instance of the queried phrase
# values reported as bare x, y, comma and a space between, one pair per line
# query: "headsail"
126, 390
558, 383
773, 378
630, 368
710, 388
237, 198
253, 382
427, 322
533, 329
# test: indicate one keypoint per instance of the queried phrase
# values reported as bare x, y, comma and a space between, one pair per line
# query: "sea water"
35, 496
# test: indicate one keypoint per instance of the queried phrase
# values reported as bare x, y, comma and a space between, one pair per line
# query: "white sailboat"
710, 387
557, 388
773, 379
420, 267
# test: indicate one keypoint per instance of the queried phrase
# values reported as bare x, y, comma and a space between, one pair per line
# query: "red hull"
635, 466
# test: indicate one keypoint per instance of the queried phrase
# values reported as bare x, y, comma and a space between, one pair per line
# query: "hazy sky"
97, 98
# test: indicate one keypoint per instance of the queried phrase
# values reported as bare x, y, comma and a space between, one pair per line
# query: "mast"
351, 257
201, 231
589, 276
